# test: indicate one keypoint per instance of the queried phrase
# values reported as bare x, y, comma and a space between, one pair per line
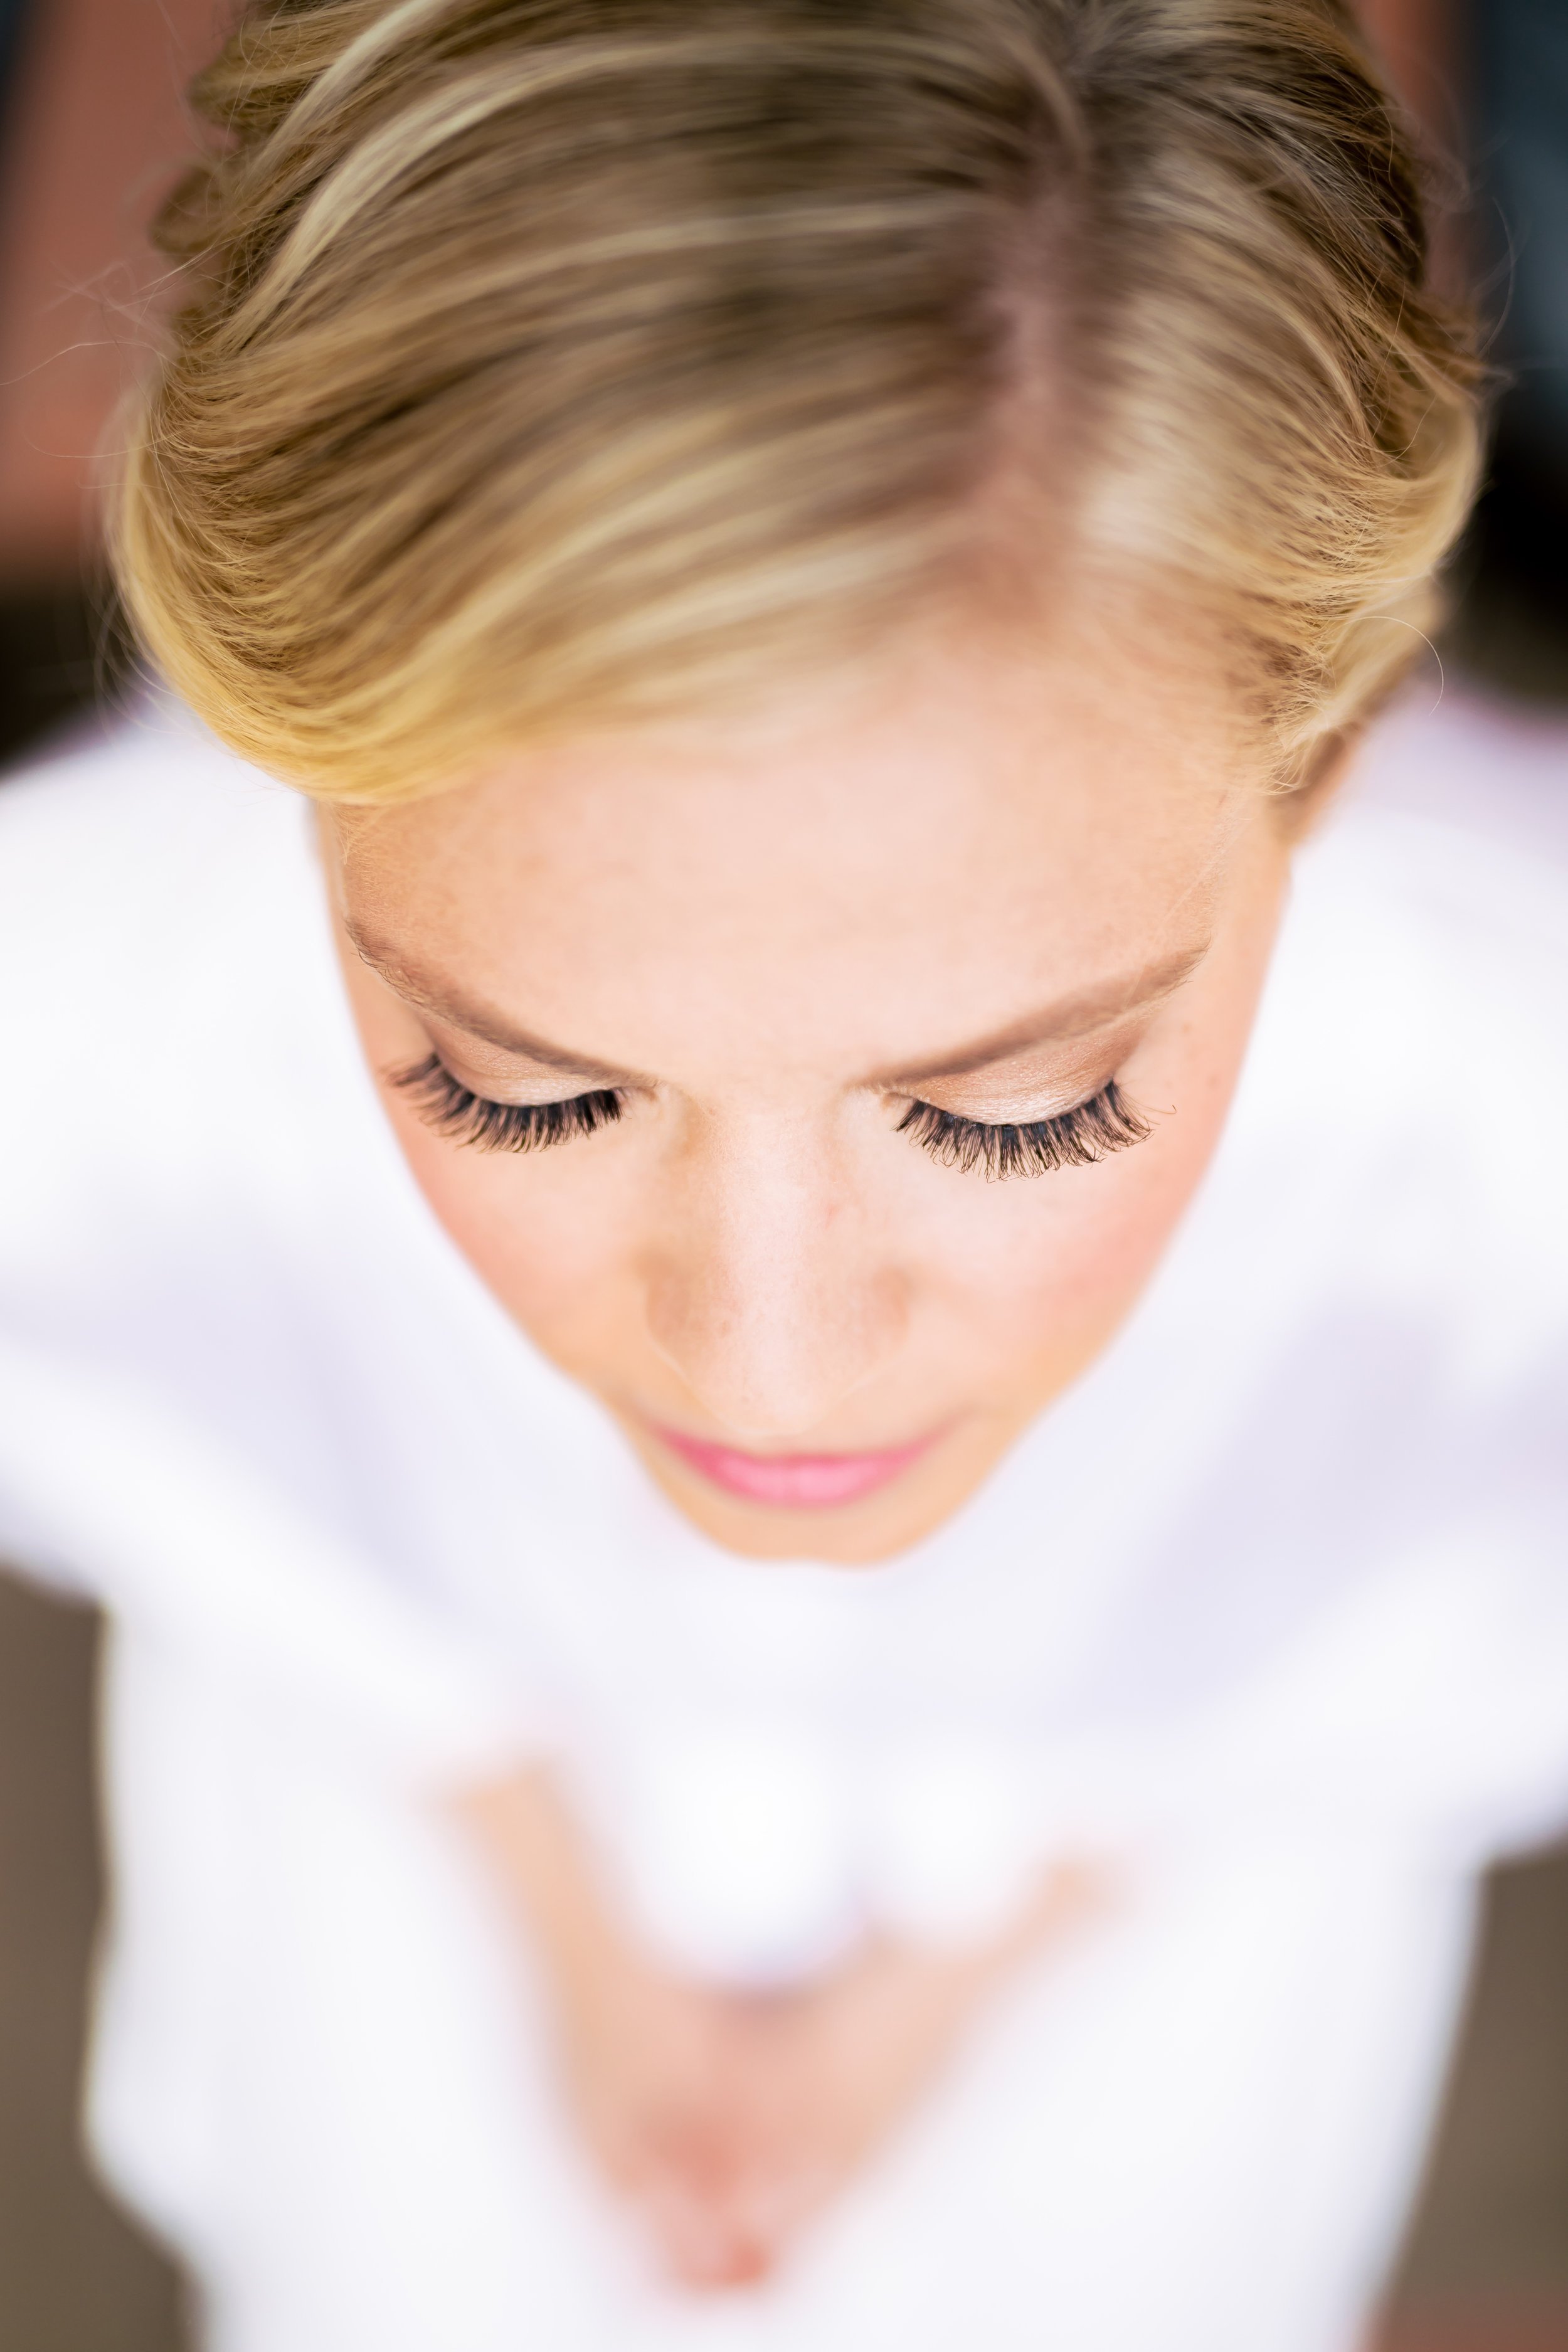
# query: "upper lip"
870, 1451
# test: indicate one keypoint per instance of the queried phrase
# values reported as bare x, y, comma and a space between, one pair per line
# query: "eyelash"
1091, 1131
454, 1109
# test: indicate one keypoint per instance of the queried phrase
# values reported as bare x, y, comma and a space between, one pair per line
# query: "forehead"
877, 870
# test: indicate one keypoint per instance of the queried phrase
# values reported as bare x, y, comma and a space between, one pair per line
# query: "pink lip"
794, 1482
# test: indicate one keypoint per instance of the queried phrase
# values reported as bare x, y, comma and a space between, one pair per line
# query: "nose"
771, 1293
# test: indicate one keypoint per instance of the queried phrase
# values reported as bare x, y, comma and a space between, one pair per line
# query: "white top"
1295, 1547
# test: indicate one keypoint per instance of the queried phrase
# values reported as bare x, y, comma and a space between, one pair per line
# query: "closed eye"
1077, 1137
454, 1110
1090, 1131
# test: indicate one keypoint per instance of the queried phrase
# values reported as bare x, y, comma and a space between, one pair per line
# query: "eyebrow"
477, 1020
1069, 1016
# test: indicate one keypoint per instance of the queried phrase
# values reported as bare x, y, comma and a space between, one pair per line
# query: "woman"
777, 1631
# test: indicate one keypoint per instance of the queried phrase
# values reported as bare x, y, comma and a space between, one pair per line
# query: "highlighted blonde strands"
553, 363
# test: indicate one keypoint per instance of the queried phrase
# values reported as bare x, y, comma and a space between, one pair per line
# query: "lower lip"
794, 1482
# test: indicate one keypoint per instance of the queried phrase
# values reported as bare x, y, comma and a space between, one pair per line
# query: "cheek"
551, 1236
1058, 1261
1013, 1285
1030, 1267
1041, 1270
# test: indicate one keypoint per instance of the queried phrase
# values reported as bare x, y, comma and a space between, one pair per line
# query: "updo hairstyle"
546, 364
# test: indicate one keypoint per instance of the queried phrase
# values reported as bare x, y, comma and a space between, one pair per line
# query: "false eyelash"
454, 1109
1072, 1138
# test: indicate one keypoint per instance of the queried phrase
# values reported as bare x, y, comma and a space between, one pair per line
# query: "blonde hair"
547, 363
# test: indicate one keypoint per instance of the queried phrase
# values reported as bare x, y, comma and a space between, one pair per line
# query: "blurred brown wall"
93, 134
1419, 43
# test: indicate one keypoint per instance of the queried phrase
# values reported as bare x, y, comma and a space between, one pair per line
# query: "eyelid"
500, 1060
1088, 1131
1058, 1102
1055, 1076
483, 1122
1024, 1104
566, 1085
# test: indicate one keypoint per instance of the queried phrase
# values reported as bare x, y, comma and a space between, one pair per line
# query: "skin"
987, 875
777, 936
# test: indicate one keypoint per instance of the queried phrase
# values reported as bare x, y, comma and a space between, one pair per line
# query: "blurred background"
91, 132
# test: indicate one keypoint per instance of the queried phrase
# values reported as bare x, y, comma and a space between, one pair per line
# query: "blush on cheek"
1069, 1299
544, 1233
1069, 1273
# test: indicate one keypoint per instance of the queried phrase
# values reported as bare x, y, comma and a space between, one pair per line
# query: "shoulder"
161, 933
1430, 921
135, 868
124, 826
1407, 1095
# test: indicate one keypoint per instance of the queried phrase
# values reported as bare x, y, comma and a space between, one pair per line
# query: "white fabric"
1272, 1611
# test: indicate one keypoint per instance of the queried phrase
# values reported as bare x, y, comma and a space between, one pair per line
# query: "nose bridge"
771, 1291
